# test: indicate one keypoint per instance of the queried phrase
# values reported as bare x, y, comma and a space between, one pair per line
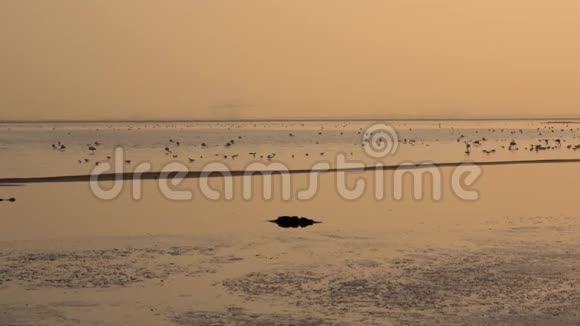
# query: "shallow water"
509, 257
26, 149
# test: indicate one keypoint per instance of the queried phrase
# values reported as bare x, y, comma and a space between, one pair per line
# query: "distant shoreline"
548, 120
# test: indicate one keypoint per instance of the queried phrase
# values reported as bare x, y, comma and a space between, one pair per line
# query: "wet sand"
510, 257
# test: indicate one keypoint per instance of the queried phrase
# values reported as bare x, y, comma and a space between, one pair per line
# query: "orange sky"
199, 59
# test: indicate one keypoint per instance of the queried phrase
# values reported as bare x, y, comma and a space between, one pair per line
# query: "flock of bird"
471, 140
541, 144
92, 148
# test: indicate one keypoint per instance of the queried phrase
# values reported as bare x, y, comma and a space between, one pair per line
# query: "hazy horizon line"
558, 119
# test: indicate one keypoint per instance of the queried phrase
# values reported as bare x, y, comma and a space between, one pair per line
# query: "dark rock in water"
12, 199
293, 222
